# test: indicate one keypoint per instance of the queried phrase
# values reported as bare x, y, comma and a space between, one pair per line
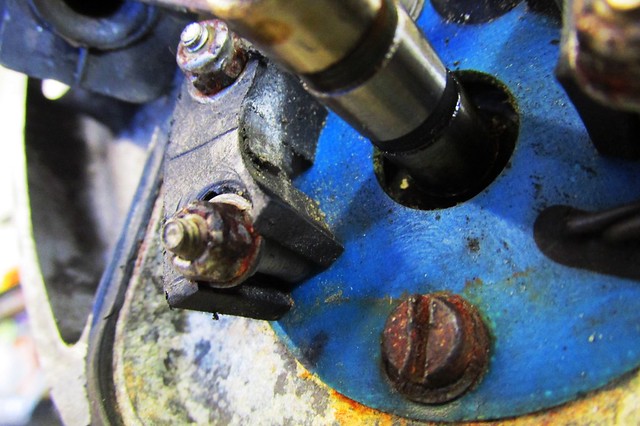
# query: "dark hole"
95, 8
472, 11
497, 108
222, 187
550, 8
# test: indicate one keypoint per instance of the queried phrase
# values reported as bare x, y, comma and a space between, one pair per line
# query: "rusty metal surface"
435, 347
602, 42
215, 62
228, 248
178, 367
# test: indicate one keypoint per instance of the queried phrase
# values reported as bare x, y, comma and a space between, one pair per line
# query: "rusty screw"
435, 347
211, 57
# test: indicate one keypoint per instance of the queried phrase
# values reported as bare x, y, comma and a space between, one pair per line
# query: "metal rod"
368, 61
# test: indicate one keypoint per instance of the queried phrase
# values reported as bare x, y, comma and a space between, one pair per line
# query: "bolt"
435, 347
194, 36
211, 57
213, 241
186, 236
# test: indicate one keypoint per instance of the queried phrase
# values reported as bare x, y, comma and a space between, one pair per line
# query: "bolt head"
434, 347
212, 61
213, 241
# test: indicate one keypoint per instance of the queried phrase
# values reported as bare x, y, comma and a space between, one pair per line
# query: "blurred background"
24, 398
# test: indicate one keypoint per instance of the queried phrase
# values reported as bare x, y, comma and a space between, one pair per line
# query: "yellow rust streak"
617, 404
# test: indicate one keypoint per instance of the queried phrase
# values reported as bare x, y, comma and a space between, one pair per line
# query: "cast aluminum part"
248, 141
369, 62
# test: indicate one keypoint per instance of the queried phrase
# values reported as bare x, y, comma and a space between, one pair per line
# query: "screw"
194, 36
211, 57
186, 236
435, 347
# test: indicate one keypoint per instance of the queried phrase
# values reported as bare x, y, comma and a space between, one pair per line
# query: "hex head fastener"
435, 347
211, 57
213, 241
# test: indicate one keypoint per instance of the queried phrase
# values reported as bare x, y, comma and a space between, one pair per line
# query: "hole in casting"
498, 110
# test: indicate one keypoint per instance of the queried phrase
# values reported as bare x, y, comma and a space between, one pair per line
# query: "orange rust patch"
522, 274
305, 375
350, 412
618, 404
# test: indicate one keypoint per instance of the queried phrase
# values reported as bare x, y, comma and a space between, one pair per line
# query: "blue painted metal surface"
558, 331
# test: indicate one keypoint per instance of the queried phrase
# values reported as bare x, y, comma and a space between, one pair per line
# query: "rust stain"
522, 274
617, 404
471, 285
350, 412
335, 297
614, 406
304, 374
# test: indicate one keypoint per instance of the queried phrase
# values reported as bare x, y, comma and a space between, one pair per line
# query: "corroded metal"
186, 237
210, 56
194, 36
214, 241
602, 39
201, 370
435, 347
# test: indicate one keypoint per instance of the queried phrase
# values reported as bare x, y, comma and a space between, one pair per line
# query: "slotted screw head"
435, 347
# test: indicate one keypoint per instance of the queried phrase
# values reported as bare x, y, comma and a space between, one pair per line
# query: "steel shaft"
368, 61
